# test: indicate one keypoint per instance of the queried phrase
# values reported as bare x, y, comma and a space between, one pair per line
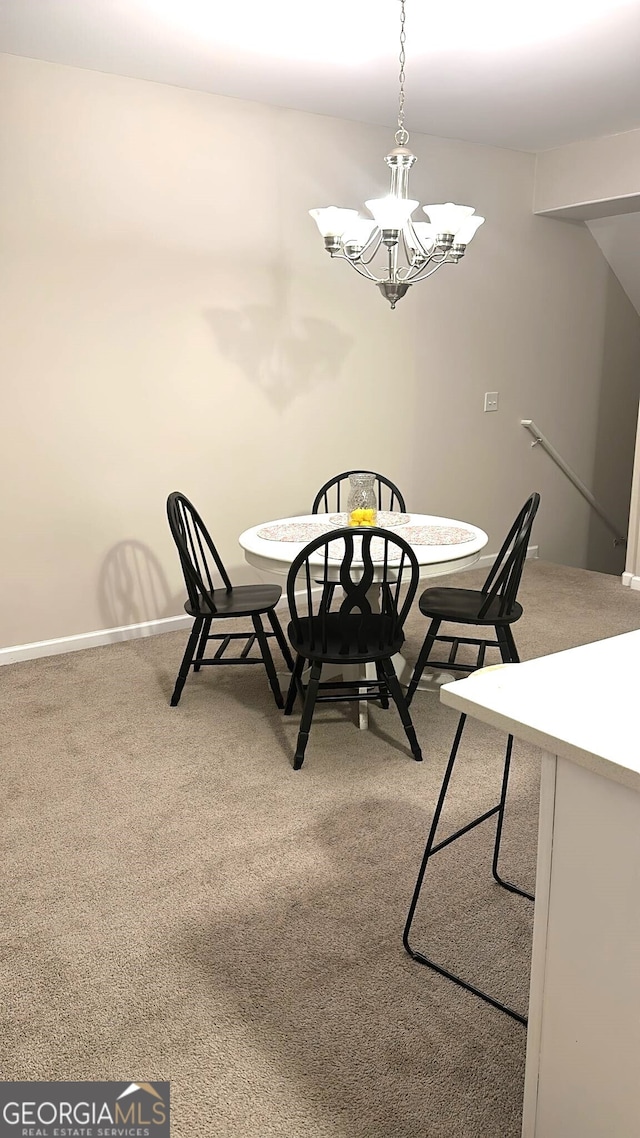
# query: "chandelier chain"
389, 248
402, 136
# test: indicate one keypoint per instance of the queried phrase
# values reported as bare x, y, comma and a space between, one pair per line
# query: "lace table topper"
436, 535
386, 519
294, 531
303, 532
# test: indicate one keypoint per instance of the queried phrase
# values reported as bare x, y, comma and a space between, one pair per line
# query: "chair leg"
400, 701
281, 638
294, 685
496, 849
187, 660
430, 849
267, 660
505, 647
384, 691
307, 715
515, 659
421, 662
206, 628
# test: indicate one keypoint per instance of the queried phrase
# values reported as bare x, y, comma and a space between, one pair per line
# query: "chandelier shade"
447, 218
393, 250
468, 229
421, 236
358, 232
332, 221
391, 212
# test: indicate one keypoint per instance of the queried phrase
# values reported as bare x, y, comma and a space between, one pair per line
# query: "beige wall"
595, 178
597, 182
612, 472
170, 320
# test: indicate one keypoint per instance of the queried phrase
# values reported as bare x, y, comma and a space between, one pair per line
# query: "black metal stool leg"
206, 629
432, 834
496, 849
268, 660
186, 660
430, 849
307, 715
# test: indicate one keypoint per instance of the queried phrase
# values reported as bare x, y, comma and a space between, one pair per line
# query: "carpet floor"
179, 904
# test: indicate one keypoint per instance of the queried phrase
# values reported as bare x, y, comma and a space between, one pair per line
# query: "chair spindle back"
389, 497
199, 557
357, 569
503, 580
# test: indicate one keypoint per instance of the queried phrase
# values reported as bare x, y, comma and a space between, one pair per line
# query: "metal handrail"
538, 437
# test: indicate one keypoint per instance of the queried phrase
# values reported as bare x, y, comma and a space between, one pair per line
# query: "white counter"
583, 1041
582, 704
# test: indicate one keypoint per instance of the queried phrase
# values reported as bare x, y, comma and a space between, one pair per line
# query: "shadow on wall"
133, 588
279, 354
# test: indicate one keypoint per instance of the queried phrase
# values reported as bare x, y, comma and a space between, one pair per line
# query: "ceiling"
525, 74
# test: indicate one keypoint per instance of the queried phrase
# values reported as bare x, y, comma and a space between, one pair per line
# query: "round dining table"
441, 545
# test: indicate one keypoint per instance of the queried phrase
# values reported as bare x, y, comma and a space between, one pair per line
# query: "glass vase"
362, 504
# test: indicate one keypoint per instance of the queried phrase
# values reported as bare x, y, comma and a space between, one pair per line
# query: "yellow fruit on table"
362, 517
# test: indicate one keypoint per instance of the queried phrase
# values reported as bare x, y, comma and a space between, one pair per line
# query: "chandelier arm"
435, 258
358, 266
423, 277
405, 274
412, 231
374, 247
364, 272
417, 240
416, 272
428, 253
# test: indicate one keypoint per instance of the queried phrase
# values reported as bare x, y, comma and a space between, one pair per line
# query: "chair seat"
463, 606
243, 600
366, 639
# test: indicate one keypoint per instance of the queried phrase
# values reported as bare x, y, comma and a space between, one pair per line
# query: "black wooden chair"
200, 563
354, 632
333, 498
495, 604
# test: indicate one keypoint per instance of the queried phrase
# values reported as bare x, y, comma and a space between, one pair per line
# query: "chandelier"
414, 249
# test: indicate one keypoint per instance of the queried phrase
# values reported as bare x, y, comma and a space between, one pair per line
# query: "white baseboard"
104, 636
99, 639
488, 558
631, 581
96, 639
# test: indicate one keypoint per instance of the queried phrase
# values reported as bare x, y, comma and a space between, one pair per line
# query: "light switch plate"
491, 401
